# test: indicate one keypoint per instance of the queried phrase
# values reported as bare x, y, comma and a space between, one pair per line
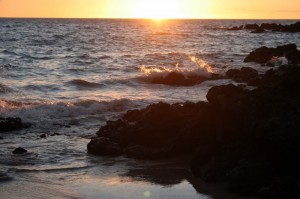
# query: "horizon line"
118, 18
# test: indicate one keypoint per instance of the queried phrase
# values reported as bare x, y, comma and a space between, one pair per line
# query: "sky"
221, 9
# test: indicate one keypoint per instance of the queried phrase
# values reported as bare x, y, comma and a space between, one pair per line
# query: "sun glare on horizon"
158, 9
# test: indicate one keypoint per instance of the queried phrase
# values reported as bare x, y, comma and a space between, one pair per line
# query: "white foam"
190, 67
49, 111
279, 61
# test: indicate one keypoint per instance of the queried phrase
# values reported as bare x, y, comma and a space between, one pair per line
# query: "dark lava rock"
241, 137
43, 136
1, 138
283, 187
271, 26
245, 74
258, 30
292, 28
178, 79
249, 176
264, 54
251, 26
225, 96
10, 124
104, 146
19, 151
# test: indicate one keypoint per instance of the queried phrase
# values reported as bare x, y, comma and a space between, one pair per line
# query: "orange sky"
239, 9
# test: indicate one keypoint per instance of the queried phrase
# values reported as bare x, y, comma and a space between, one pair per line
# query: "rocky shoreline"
255, 28
246, 139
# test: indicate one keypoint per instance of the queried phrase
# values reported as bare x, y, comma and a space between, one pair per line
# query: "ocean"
67, 77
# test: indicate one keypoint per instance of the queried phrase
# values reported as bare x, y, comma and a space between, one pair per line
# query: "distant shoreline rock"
293, 28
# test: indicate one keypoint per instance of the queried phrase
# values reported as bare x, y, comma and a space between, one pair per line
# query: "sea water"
67, 77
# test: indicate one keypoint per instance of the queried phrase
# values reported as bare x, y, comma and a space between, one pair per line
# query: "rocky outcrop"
178, 79
245, 74
104, 146
247, 139
292, 28
10, 124
264, 54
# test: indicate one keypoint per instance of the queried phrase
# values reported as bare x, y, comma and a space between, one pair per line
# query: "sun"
158, 9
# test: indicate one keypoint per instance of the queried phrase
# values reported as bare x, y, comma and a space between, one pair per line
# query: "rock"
177, 79
258, 30
251, 27
291, 28
1, 138
226, 97
283, 187
249, 176
246, 74
271, 26
19, 151
240, 137
43, 136
264, 54
104, 146
10, 124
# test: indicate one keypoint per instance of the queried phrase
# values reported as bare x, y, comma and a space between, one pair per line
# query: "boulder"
264, 54
226, 97
258, 30
282, 187
178, 79
10, 124
245, 74
19, 151
104, 146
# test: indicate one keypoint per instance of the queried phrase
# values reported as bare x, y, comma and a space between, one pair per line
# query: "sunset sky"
239, 9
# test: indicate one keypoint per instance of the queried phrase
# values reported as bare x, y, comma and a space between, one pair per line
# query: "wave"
24, 55
190, 68
53, 169
50, 110
171, 33
5, 89
84, 84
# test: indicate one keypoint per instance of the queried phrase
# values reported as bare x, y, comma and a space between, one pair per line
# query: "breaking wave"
191, 67
48, 111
